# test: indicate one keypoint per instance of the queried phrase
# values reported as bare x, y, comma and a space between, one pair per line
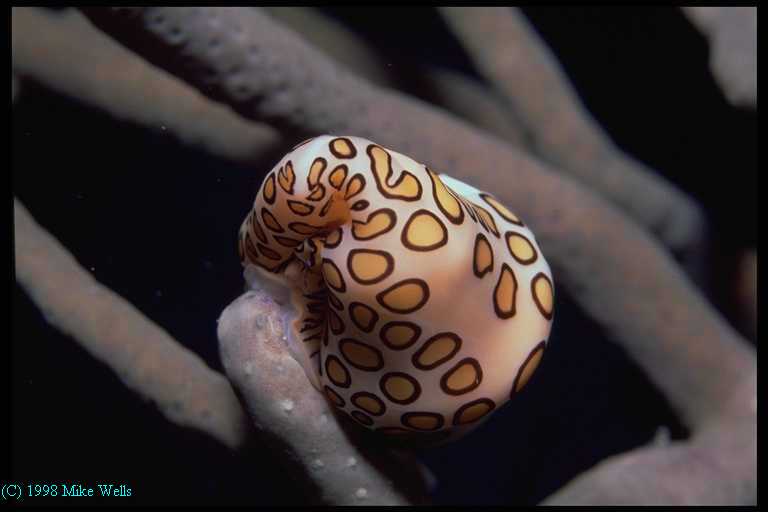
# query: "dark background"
157, 223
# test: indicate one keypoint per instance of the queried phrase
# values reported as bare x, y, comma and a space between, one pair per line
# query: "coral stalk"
144, 356
296, 418
454, 91
732, 34
65, 53
512, 57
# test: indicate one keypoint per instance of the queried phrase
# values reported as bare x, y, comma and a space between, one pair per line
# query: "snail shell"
421, 304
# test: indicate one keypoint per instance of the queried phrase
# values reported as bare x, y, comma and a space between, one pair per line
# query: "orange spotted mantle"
421, 303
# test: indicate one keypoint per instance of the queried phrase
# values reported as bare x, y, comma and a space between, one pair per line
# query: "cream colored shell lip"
420, 304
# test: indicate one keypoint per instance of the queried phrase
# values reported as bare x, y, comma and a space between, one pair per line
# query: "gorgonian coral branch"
474, 102
717, 467
732, 34
65, 53
449, 89
145, 357
335, 40
297, 421
507, 50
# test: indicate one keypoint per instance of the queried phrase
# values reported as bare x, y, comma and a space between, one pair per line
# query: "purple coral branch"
144, 356
335, 40
732, 34
191, 395
718, 466
289, 412
453, 91
80, 61
509, 53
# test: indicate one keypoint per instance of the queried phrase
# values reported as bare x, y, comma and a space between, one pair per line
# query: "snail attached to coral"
419, 303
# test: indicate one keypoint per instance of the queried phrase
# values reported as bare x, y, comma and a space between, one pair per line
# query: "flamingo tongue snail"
421, 304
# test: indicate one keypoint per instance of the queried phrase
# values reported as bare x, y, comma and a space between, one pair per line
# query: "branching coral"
242, 58
72, 57
142, 354
512, 57
289, 413
452, 90
732, 32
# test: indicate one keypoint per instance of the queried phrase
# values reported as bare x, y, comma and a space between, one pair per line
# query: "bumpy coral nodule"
421, 303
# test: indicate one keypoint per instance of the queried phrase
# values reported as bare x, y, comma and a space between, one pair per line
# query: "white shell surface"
385, 247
